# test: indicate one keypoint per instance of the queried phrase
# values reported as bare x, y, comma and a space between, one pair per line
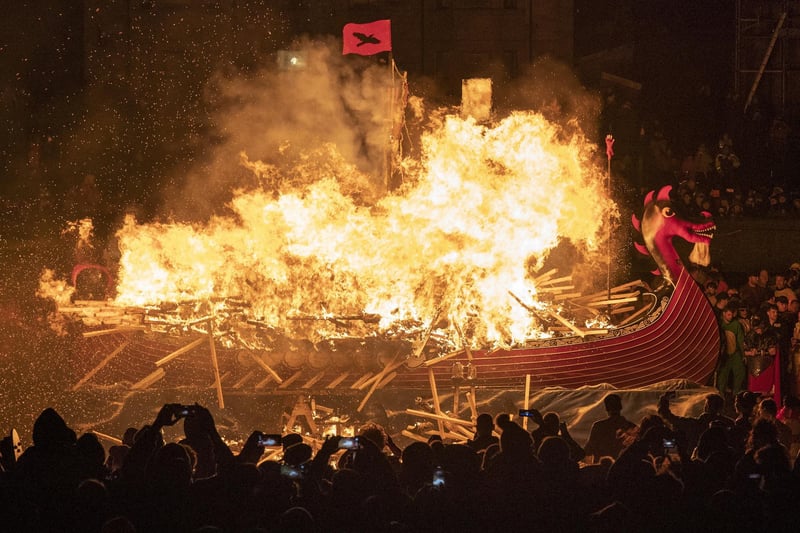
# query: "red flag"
609, 146
367, 39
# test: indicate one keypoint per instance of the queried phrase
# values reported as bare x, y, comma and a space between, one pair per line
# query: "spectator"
606, 435
484, 426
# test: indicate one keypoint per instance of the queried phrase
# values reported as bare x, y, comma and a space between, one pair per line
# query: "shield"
756, 364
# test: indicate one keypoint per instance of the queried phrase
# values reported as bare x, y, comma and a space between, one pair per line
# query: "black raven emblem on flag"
366, 39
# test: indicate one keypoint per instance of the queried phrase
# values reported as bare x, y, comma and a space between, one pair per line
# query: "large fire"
460, 243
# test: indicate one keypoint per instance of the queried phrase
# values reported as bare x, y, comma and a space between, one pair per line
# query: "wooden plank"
413, 436
540, 280
566, 322
389, 368
266, 367
149, 379
636, 315
357, 383
263, 383
612, 301
614, 290
121, 329
214, 363
620, 310
445, 357
291, 379
566, 296
435, 394
377, 382
337, 380
180, 351
102, 363
385, 381
113, 440
310, 383
239, 384
442, 417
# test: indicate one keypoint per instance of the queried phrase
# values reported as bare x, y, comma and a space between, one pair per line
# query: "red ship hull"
681, 343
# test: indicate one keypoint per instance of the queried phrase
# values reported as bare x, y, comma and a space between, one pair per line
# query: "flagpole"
609, 154
390, 149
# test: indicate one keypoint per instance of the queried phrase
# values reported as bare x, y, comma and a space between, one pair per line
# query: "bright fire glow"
474, 222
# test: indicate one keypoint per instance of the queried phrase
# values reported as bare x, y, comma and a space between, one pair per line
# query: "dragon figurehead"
660, 224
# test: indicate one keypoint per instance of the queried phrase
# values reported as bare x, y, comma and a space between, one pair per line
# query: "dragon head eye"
667, 212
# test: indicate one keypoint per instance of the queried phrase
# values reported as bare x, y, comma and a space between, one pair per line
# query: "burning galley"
480, 258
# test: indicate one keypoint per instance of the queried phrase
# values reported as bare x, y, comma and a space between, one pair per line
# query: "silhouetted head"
613, 403
484, 423
550, 422
714, 403
50, 430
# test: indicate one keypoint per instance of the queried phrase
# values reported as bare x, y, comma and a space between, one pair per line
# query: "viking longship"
669, 333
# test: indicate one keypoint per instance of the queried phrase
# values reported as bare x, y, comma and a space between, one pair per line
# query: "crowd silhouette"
663, 473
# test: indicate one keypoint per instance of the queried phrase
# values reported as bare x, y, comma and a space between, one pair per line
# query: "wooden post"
526, 400
436, 406
378, 380
213, 349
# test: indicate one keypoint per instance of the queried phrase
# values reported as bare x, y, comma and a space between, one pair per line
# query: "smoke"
553, 89
295, 120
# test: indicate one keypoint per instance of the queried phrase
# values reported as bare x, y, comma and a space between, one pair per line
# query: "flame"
477, 218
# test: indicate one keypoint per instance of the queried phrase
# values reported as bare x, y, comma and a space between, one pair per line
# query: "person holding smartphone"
605, 436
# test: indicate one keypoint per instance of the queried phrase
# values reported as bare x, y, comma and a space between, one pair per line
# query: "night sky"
678, 46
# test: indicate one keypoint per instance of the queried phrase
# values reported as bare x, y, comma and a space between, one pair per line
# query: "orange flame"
480, 214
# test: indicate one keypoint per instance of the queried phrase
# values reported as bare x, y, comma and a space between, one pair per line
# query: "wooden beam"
310, 383
445, 357
578, 331
181, 351
217, 380
377, 381
263, 383
435, 394
413, 436
103, 363
341, 377
442, 417
149, 379
239, 384
357, 383
266, 367
113, 440
291, 379
121, 329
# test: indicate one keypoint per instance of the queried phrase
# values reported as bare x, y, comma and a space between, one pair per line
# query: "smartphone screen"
269, 440
291, 472
438, 478
349, 443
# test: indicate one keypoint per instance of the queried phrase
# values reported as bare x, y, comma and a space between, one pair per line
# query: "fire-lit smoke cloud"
287, 116
477, 216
